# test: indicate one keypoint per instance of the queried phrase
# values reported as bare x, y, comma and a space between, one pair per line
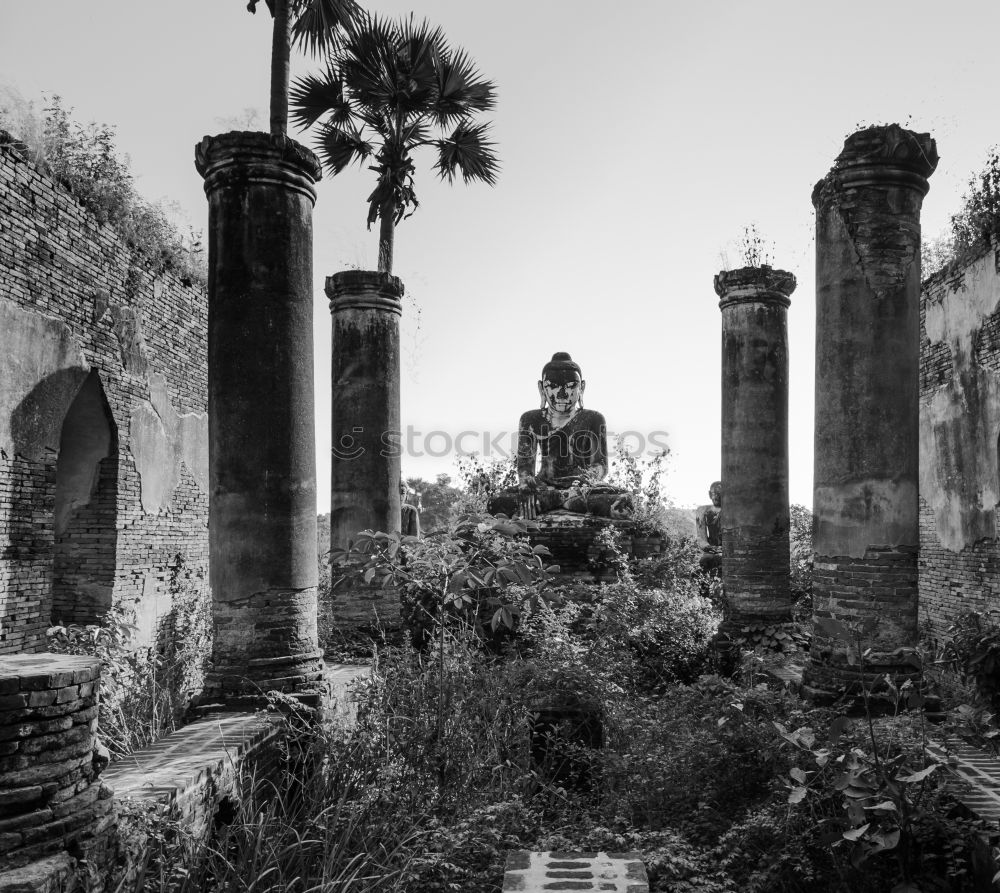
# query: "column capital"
883, 155
754, 285
249, 157
364, 290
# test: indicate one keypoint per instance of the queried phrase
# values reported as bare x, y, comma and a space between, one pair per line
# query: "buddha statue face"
561, 389
715, 494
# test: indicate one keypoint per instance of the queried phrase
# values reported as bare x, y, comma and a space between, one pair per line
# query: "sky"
637, 142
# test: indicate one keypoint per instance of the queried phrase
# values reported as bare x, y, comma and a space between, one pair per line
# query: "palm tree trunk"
386, 235
280, 53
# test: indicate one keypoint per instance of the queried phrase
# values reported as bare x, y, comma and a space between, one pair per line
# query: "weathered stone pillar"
365, 471
262, 452
755, 563
867, 367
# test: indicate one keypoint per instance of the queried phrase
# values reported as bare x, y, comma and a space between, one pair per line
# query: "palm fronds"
387, 87
314, 96
468, 151
319, 24
338, 146
460, 89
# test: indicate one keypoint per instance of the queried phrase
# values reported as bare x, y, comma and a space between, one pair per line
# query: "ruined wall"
103, 417
959, 426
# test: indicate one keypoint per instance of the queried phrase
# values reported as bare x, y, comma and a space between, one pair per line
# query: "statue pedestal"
573, 540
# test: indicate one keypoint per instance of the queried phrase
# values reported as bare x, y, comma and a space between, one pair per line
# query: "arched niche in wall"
86, 503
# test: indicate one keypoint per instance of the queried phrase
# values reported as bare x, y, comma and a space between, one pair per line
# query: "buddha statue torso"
562, 452
578, 450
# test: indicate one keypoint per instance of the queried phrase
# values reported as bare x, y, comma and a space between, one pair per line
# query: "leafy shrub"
870, 792
480, 574
659, 637
642, 479
675, 565
699, 760
974, 647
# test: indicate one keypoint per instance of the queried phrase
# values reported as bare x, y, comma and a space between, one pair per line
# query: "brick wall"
959, 564
74, 303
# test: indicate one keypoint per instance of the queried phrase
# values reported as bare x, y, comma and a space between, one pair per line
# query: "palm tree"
388, 87
313, 24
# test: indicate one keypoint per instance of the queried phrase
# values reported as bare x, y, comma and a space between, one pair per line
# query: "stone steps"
530, 871
977, 773
209, 750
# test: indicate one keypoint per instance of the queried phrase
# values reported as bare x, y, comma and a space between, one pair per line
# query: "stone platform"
190, 772
538, 872
194, 768
573, 541
50, 799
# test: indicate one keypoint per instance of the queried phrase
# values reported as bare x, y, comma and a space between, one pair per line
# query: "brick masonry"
572, 540
536, 872
959, 566
50, 799
92, 336
845, 589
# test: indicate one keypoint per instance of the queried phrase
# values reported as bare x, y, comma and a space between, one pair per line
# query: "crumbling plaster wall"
959, 429
74, 300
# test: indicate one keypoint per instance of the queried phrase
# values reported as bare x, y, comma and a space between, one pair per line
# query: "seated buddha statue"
562, 453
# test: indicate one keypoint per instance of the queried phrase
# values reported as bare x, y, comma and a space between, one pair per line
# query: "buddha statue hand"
527, 500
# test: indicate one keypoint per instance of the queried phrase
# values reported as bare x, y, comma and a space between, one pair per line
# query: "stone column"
867, 367
755, 563
365, 471
262, 452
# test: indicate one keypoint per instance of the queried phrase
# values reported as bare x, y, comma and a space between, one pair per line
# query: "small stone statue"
709, 524
571, 446
409, 510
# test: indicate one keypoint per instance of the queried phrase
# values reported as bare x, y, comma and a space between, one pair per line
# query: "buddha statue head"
715, 493
561, 386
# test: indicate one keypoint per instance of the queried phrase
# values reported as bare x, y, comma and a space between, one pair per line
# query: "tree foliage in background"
973, 227
801, 543
85, 160
388, 88
436, 500
479, 479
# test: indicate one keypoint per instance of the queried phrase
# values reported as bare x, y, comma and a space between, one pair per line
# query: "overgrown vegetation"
146, 687
752, 250
86, 161
527, 713
463, 751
